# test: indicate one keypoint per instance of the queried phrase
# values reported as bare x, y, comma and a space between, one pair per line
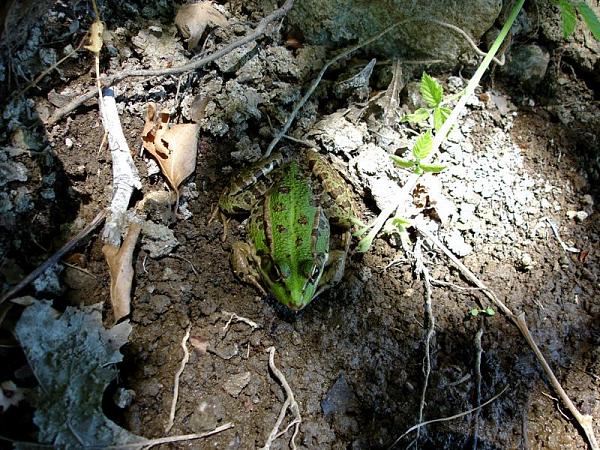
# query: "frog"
299, 228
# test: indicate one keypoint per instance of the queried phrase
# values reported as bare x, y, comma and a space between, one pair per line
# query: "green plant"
432, 93
489, 312
568, 14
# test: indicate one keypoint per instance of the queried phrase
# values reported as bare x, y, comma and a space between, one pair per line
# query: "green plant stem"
474, 81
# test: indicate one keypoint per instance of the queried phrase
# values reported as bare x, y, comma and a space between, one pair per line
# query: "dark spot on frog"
303, 220
279, 207
298, 241
281, 229
283, 189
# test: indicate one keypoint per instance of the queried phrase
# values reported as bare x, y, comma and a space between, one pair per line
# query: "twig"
479, 348
148, 443
290, 403
56, 257
446, 419
260, 29
423, 273
584, 420
184, 361
125, 174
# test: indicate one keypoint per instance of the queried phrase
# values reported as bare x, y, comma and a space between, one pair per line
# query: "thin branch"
260, 29
283, 131
56, 257
584, 420
184, 361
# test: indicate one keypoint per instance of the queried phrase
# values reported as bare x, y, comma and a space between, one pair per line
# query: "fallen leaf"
174, 147
74, 358
120, 265
192, 20
95, 42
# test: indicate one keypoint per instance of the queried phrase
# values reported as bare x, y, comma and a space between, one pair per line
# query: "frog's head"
297, 288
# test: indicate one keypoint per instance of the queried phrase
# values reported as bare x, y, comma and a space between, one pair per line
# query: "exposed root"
423, 273
479, 348
184, 361
235, 318
290, 403
446, 419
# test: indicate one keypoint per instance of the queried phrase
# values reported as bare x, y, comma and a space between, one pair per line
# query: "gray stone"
528, 64
341, 22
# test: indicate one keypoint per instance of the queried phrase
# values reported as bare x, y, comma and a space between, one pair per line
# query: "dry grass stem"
184, 361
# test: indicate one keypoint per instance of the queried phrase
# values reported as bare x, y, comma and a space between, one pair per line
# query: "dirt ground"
354, 357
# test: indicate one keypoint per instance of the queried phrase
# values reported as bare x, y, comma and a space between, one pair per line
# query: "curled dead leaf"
120, 265
174, 147
95, 42
192, 20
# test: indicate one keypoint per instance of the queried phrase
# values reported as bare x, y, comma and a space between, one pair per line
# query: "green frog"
301, 213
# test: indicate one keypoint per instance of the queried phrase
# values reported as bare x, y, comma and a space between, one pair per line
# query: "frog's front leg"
244, 262
336, 264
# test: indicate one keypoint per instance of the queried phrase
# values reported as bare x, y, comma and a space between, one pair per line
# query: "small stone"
235, 384
339, 399
587, 200
69, 142
579, 216
526, 262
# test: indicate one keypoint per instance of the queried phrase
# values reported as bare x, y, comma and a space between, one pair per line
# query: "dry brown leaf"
192, 20
174, 147
96, 31
120, 264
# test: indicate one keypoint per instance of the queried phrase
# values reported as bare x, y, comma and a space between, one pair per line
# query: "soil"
354, 358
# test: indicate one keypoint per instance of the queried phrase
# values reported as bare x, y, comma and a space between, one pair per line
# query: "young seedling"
433, 95
489, 312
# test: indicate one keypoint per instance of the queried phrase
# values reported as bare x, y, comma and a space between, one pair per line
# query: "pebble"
236, 383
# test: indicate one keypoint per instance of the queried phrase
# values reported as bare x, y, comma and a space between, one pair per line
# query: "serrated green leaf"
432, 168
568, 17
590, 19
423, 146
431, 91
490, 311
440, 115
404, 163
474, 312
420, 115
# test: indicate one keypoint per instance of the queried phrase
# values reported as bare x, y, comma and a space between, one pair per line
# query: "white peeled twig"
290, 403
125, 174
184, 361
